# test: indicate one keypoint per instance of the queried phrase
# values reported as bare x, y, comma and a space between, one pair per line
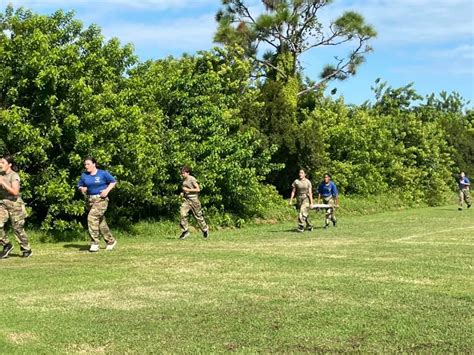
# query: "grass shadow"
82, 247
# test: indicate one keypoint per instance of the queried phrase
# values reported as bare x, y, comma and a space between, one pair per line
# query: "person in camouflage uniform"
191, 203
96, 185
12, 208
327, 191
303, 190
464, 195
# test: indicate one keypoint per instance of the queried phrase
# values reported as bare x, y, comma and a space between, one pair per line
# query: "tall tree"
274, 37
288, 28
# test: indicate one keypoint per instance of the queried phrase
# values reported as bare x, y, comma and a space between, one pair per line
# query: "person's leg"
93, 223
184, 213
332, 210
104, 229
4, 217
17, 217
328, 214
305, 207
197, 212
461, 199
301, 217
4, 241
467, 198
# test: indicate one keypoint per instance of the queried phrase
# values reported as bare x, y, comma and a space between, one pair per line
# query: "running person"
97, 184
464, 196
327, 191
12, 208
190, 193
303, 190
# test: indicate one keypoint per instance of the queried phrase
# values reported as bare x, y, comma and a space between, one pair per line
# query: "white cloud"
185, 34
156, 5
462, 52
400, 22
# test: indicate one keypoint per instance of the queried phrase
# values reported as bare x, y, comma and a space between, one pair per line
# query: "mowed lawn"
398, 281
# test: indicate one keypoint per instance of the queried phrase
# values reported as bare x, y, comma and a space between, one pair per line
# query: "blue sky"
428, 42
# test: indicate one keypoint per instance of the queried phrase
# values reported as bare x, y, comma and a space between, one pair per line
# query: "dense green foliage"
66, 93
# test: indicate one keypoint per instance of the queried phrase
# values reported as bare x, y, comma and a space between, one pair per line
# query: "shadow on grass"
82, 247
291, 230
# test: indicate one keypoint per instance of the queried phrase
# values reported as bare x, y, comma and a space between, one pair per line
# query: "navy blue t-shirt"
327, 190
96, 183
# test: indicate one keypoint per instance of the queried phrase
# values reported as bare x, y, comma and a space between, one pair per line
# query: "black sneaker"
469, 206
7, 248
459, 208
184, 235
326, 226
205, 234
310, 228
334, 223
300, 230
27, 253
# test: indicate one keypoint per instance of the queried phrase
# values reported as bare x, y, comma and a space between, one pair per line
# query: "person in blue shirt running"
327, 191
464, 196
96, 185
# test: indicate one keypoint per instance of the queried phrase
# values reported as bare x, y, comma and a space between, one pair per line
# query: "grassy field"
398, 281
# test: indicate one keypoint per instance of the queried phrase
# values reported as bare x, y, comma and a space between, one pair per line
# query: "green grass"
395, 281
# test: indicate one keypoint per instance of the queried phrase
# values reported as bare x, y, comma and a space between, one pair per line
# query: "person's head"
6, 163
185, 171
90, 164
302, 174
462, 174
327, 178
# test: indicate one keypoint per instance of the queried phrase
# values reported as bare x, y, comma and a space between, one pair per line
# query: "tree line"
244, 122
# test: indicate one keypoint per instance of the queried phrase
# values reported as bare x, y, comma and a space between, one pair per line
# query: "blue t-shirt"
327, 190
463, 183
96, 183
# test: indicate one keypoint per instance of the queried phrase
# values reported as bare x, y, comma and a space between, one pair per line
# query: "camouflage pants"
96, 220
303, 213
329, 211
194, 206
15, 212
464, 196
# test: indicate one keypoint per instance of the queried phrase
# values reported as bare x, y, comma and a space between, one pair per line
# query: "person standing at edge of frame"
96, 184
327, 190
464, 195
303, 190
191, 203
12, 207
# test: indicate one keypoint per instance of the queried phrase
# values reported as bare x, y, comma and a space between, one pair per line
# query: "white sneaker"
111, 246
94, 248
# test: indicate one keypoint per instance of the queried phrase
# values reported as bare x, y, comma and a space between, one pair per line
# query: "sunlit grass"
398, 281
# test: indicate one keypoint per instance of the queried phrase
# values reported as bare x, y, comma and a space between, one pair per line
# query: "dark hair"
9, 159
92, 159
328, 175
186, 169
303, 170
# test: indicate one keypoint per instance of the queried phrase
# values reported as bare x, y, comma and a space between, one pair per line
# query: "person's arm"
109, 188
195, 188
293, 192
111, 184
81, 185
14, 189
